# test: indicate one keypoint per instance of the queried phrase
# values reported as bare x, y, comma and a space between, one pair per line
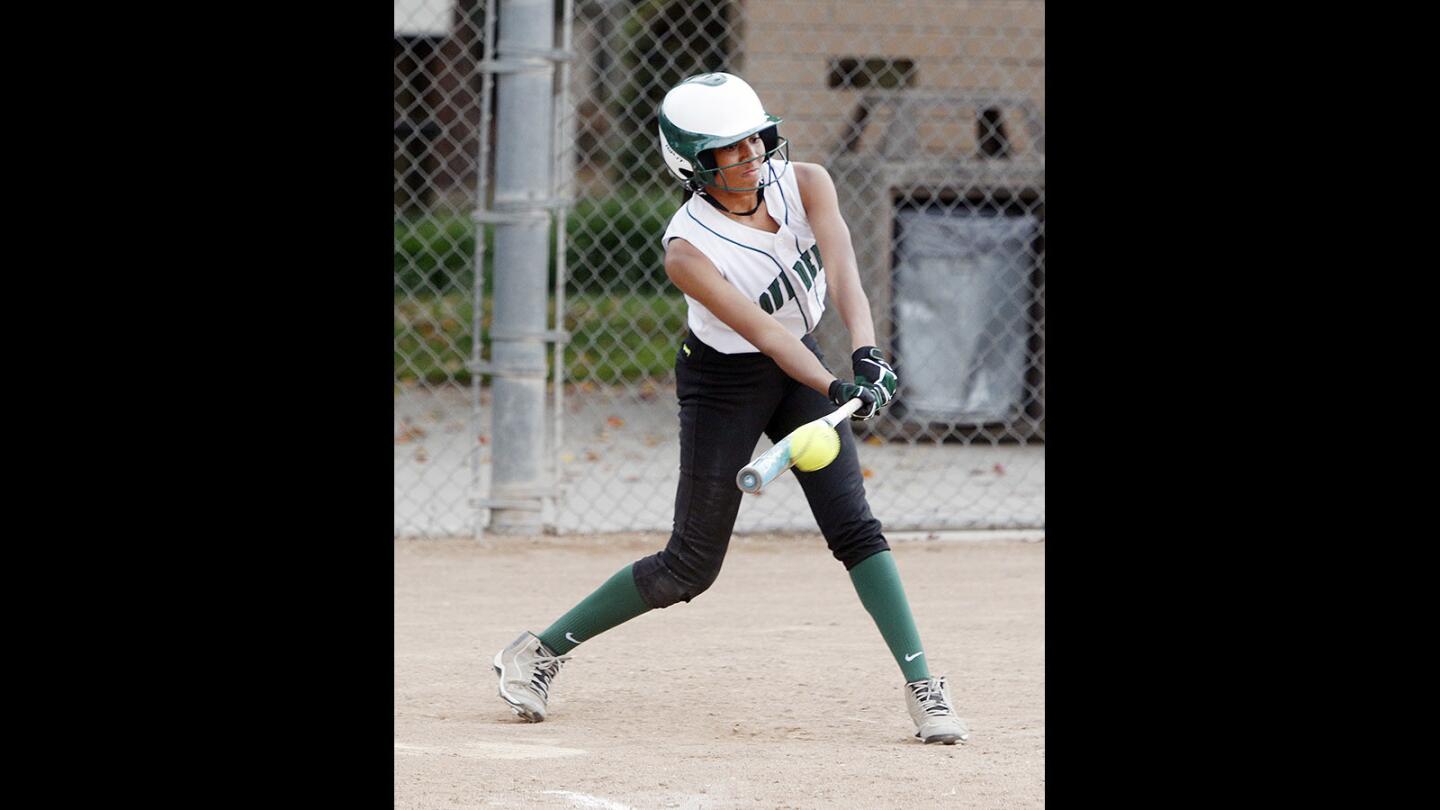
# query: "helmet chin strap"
759, 198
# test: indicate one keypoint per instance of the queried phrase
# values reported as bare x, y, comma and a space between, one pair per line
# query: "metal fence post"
523, 162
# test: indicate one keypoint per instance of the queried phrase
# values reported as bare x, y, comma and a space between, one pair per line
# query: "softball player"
749, 248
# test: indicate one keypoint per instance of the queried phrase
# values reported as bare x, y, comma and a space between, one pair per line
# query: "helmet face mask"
710, 174
708, 112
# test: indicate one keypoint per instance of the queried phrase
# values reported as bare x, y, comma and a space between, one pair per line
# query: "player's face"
740, 163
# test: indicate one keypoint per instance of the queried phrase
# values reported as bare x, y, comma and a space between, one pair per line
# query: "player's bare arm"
817, 193
697, 277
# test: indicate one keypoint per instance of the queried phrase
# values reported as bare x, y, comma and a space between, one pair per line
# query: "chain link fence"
930, 118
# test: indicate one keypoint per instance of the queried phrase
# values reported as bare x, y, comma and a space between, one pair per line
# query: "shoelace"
546, 667
932, 698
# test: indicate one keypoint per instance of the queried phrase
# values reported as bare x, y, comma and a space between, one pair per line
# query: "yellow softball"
813, 446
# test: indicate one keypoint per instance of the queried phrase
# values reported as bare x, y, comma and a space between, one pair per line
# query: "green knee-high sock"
877, 581
614, 603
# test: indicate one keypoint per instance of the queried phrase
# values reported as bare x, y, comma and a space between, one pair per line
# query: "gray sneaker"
526, 668
930, 707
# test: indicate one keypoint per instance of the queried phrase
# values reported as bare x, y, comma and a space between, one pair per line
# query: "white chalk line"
493, 750
586, 800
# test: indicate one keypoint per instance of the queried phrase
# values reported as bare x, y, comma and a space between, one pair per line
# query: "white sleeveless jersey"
781, 272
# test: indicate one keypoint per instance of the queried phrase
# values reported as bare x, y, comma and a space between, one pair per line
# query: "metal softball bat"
770, 464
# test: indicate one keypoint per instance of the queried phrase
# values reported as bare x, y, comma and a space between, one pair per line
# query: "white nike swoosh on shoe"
571, 639
913, 657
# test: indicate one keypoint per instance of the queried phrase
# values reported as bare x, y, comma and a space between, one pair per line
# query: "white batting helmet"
706, 112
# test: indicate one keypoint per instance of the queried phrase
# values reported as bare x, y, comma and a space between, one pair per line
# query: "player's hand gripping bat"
808, 447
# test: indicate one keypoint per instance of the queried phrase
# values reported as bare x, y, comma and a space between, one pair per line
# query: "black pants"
726, 402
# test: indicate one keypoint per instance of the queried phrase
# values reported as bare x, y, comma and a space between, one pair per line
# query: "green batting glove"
843, 392
871, 368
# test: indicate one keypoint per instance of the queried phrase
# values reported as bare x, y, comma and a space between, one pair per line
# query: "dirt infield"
773, 689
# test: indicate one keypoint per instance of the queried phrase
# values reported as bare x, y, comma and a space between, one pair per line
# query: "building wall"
957, 46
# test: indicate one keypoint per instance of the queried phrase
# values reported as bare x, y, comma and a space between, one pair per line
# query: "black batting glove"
871, 368
843, 392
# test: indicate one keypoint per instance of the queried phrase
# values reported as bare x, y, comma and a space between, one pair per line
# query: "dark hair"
707, 161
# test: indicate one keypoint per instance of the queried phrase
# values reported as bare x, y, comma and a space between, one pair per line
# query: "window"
854, 73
